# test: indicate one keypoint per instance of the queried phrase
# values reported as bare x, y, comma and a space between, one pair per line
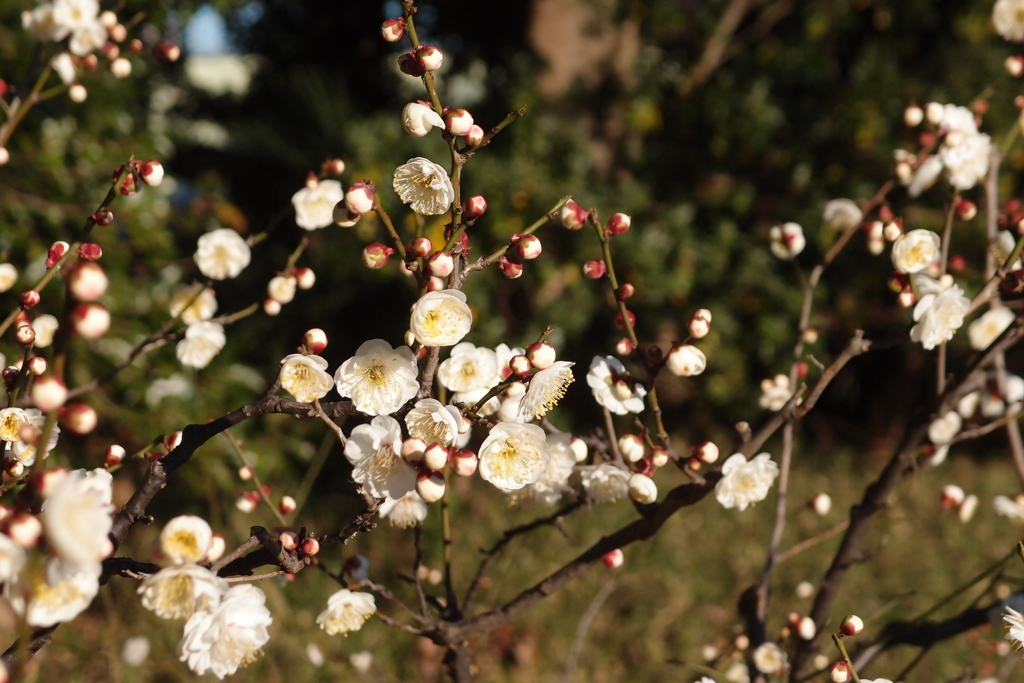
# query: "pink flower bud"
37, 365
48, 393
376, 255
474, 207
315, 340
57, 250
114, 456
620, 323
430, 486
659, 456
287, 505
519, 364
359, 198
392, 30
46, 481
839, 672
951, 496
312, 181
429, 57
289, 540
475, 136
510, 266
173, 440
632, 446
90, 320
333, 167
5, 156
852, 625
541, 355
595, 270
344, 218
700, 323
528, 246
435, 457
25, 334
104, 217
245, 504
706, 452
465, 463
614, 559
110, 50
573, 216
90, 252
458, 121
128, 185
413, 450
966, 209
441, 264
164, 52
436, 284
271, 306
618, 224
419, 248
624, 346
625, 291
409, 65
80, 418
29, 299
151, 172
305, 278
1014, 65
25, 529
87, 281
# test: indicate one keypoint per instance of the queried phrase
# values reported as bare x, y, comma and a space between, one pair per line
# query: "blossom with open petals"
942, 430
45, 326
222, 254
986, 329
180, 591
513, 455
613, 388
1008, 18
441, 318
404, 512
61, 592
375, 451
76, 516
434, 423
185, 539
843, 214
787, 241
548, 487
346, 611
194, 303
314, 206
1014, 621
227, 636
305, 377
606, 483
202, 342
939, 316
418, 119
378, 379
424, 186
769, 658
745, 481
546, 389
469, 368
1011, 509
12, 558
914, 251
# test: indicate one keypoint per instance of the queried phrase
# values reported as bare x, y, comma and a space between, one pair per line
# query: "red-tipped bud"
541, 355
801, 369
14, 469
429, 57
436, 284
128, 185
376, 255
333, 167
29, 299
90, 252
419, 248
289, 540
173, 440
510, 266
464, 463
659, 456
573, 216
114, 456
24, 528
614, 559
624, 346
528, 246
90, 320
852, 625
475, 136
10, 375
700, 323
618, 224
441, 264
151, 172
135, 46
37, 365
344, 218
458, 121
595, 270
621, 324
164, 52
57, 250
392, 30
839, 672
957, 263
951, 496
359, 198
519, 364
893, 230
966, 209
430, 486
305, 278
80, 418
104, 217
625, 291
706, 452
413, 450
315, 340
1014, 65
906, 298
435, 457
287, 505
87, 281
25, 334
271, 307
409, 65
474, 207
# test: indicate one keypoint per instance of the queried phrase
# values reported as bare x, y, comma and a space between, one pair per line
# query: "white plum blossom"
939, 316
548, 487
787, 241
41, 24
769, 658
642, 489
612, 387
1014, 621
202, 342
914, 251
45, 327
404, 512
605, 483
418, 119
1012, 509
434, 423
222, 254
513, 455
441, 318
469, 368
314, 206
135, 651
942, 430
193, 303
775, 392
686, 360
925, 175
545, 390
504, 354
12, 559
1002, 248
375, 451
378, 378
76, 517
745, 481
424, 186
61, 592
986, 329
64, 66
843, 214
180, 591
23, 452
227, 636
305, 377
967, 162
13, 419
346, 611
89, 37
185, 539
1008, 18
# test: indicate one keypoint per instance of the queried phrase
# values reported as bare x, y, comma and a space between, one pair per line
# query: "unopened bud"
310, 547
413, 450
573, 216
333, 167
128, 185
29, 299
90, 252
430, 486
541, 355
10, 375
287, 505
289, 540
104, 217
376, 255
913, 116
87, 281
614, 559
659, 456
475, 136
48, 393
966, 209
409, 65
625, 291
429, 57
80, 418
821, 503
436, 284
621, 323
624, 346
520, 364
631, 447
25, 334
392, 30
114, 456
77, 93
529, 246
1014, 65
305, 278
315, 340
700, 323
618, 224
5, 156
839, 672
952, 495
595, 270
851, 625
706, 452
344, 218
458, 121
151, 172
173, 440
24, 528
37, 365
892, 230
465, 463
906, 298
419, 248
474, 207
56, 252
271, 307
510, 266
359, 198
441, 264
90, 320
435, 457
642, 489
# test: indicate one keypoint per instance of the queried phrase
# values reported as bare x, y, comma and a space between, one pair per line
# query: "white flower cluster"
14, 425
79, 19
963, 153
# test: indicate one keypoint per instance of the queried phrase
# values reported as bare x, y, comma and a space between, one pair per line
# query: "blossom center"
377, 375
442, 320
10, 428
